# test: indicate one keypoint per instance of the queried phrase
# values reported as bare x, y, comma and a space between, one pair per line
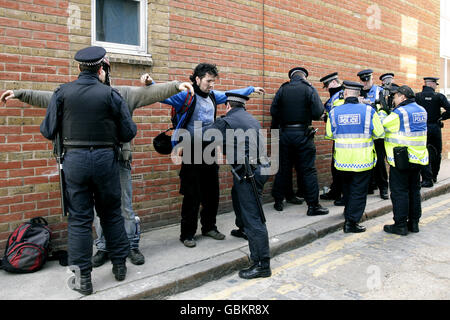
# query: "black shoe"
295, 200
426, 184
136, 257
239, 234
85, 285
99, 258
384, 195
413, 226
120, 271
339, 202
278, 206
353, 227
401, 230
255, 271
434, 180
328, 196
371, 191
316, 210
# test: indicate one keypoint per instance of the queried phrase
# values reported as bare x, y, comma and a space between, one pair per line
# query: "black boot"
294, 200
99, 258
120, 271
413, 226
400, 229
353, 227
384, 194
257, 270
85, 284
278, 205
316, 210
239, 233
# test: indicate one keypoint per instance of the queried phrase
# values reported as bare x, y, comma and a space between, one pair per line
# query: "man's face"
206, 84
102, 75
333, 84
367, 82
398, 98
431, 84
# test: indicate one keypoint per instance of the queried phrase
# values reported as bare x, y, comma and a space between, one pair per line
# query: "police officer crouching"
249, 178
91, 118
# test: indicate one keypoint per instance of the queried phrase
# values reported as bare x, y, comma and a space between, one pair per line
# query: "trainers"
214, 234
120, 271
99, 258
190, 243
136, 257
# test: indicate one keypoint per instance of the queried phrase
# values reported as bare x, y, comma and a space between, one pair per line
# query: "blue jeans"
131, 221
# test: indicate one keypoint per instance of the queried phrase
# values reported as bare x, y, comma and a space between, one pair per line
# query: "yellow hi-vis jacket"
353, 126
407, 126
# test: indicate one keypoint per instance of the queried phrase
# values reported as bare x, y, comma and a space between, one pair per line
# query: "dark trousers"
92, 179
355, 186
199, 183
336, 183
434, 145
405, 193
290, 193
247, 212
380, 175
294, 140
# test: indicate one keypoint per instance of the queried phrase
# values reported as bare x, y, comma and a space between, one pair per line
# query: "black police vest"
429, 99
87, 118
296, 103
238, 118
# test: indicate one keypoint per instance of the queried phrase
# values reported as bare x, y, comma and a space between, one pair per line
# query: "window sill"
144, 60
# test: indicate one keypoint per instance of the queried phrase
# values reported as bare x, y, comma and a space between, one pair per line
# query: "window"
120, 26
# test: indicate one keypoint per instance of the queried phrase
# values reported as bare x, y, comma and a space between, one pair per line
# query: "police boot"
85, 285
353, 227
316, 210
99, 258
427, 184
384, 194
401, 229
120, 271
294, 200
278, 205
413, 226
136, 257
257, 270
239, 233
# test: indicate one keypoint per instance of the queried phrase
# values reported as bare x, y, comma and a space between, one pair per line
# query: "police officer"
405, 142
371, 94
332, 84
353, 126
293, 108
433, 101
387, 78
91, 118
248, 180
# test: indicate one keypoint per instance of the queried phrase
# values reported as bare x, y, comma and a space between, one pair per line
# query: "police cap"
291, 72
328, 78
90, 56
351, 85
231, 96
386, 76
404, 90
431, 79
364, 75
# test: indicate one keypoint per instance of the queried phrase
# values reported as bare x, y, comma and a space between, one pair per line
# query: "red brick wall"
252, 42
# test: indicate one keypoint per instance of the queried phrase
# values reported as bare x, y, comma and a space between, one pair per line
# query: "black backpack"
27, 247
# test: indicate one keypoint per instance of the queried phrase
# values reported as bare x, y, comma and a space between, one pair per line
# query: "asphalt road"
365, 266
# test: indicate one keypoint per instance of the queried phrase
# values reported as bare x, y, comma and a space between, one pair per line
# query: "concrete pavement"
171, 268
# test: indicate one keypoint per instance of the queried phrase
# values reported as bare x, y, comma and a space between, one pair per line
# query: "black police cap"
404, 90
328, 78
386, 75
351, 85
231, 96
298, 69
90, 56
432, 79
364, 75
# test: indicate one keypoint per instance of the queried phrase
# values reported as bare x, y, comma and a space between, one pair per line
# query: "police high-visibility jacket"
374, 93
336, 100
406, 125
353, 126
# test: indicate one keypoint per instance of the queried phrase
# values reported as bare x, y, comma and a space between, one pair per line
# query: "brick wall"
252, 42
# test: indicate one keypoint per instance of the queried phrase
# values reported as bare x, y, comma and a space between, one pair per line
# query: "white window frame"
113, 47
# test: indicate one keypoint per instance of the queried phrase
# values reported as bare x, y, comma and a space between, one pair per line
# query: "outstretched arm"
35, 98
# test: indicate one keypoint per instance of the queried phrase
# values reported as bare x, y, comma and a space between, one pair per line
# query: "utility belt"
298, 126
91, 145
239, 170
308, 130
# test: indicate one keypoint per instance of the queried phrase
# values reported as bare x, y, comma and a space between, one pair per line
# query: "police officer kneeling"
91, 119
248, 180
406, 149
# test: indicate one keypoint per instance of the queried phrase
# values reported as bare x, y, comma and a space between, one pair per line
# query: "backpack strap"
187, 103
39, 220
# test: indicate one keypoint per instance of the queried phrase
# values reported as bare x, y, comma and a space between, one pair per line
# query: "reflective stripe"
354, 145
352, 136
354, 165
410, 156
368, 119
406, 142
412, 134
405, 119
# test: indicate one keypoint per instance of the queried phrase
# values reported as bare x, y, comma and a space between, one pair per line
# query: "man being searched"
353, 126
370, 95
293, 108
248, 167
135, 97
406, 149
91, 119
199, 181
433, 101
333, 85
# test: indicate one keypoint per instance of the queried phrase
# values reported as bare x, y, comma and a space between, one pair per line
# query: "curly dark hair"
202, 69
